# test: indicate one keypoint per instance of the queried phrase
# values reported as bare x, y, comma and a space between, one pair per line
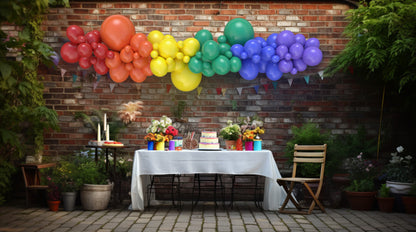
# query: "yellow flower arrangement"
250, 135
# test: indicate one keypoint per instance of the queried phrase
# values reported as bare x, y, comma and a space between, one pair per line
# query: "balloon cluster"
213, 58
86, 49
280, 53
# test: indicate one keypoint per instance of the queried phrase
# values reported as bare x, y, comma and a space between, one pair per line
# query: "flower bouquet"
231, 133
400, 171
159, 132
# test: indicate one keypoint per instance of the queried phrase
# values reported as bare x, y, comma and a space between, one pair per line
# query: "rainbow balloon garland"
120, 52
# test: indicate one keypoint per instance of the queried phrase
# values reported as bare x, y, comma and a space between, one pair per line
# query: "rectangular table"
151, 162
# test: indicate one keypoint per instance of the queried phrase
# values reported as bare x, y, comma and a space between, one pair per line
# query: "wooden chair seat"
304, 154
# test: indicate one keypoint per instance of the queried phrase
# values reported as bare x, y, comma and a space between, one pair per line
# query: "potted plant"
53, 193
409, 200
95, 190
384, 200
158, 132
230, 134
249, 136
361, 192
66, 173
400, 172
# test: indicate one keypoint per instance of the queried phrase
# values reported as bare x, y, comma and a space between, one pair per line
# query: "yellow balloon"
168, 48
185, 80
155, 37
168, 37
180, 44
190, 46
186, 59
159, 66
179, 65
171, 64
179, 55
154, 54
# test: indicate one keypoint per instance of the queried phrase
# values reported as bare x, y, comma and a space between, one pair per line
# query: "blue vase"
257, 145
150, 145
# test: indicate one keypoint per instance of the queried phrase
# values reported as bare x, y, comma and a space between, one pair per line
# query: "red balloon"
145, 48
93, 37
110, 54
100, 67
93, 59
101, 51
136, 39
81, 39
73, 31
126, 54
84, 50
119, 74
84, 62
114, 62
69, 53
137, 75
116, 32
97, 32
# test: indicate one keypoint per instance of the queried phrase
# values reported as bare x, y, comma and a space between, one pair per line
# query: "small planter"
248, 145
385, 204
399, 187
361, 200
230, 144
54, 205
95, 196
69, 199
160, 146
409, 203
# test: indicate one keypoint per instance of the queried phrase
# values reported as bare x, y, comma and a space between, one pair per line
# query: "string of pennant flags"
220, 91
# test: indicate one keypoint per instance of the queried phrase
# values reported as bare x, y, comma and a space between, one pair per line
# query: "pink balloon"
69, 53
84, 50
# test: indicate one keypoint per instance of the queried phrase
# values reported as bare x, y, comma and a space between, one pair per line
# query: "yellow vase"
160, 146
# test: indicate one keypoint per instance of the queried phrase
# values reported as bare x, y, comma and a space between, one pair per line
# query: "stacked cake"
209, 141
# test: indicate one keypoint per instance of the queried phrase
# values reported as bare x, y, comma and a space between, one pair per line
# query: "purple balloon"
288, 56
252, 47
267, 53
299, 38
312, 56
273, 72
299, 65
294, 71
286, 38
55, 58
312, 42
296, 50
237, 49
272, 40
285, 66
249, 70
281, 51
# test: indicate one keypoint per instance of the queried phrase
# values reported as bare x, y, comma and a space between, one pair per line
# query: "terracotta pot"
409, 204
54, 205
385, 204
230, 144
361, 200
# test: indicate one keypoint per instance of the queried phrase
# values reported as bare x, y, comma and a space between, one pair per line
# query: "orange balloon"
119, 74
137, 75
141, 62
147, 71
126, 54
128, 66
116, 32
145, 48
136, 39
114, 62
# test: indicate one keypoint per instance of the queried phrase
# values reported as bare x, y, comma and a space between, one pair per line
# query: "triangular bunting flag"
274, 84
95, 85
256, 88
199, 89
63, 71
74, 78
266, 87
168, 87
112, 85
218, 91
98, 76
306, 79
290, 81
108, 75
223, 90
239, 90
138, 87
321, 74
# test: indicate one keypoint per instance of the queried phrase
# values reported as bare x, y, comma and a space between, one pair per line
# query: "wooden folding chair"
304, 154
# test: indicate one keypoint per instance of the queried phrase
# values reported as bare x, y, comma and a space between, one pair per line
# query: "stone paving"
244, 216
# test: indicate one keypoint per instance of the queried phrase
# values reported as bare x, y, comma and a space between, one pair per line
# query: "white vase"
95, 197
399, 187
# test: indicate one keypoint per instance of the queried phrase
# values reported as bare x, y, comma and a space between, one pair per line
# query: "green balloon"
208, 72
195, 65
206, 65
228, 54
224, 47
210, 50
222, 39
235, 64
238, 31
221, 65
198, 55
203, 35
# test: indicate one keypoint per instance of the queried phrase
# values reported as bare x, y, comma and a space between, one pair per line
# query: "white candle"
105, 122
99, 133
107, 133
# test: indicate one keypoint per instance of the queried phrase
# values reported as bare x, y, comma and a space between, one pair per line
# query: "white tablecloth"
261, 163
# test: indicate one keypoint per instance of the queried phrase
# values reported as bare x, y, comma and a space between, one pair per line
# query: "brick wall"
338, 104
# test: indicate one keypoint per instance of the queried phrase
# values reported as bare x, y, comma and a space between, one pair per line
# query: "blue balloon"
312, 42
312, 56
255, 59
299, 65
275, 59
299, 38
267, 53
243, 55
281, 51
272, 40
285, 66
249, 70
261, 41
296, 50
286, 38
252, 47
273, 72
237, 49
262, 66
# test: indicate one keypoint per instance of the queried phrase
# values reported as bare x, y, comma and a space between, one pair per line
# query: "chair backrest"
309, 154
